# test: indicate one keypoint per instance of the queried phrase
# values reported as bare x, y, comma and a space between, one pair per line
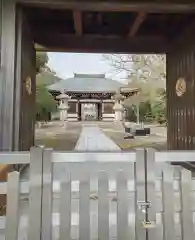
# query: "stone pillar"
118, 109
63, 107
63, 111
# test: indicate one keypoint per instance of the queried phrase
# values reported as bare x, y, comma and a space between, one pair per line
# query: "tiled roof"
87, 83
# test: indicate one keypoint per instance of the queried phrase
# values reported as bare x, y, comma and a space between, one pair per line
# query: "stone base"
64, 124
136, 131
129, 136
108, 119
142, 132
72, 119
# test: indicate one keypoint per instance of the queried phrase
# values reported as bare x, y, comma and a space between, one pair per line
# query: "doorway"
89, 112
159, 28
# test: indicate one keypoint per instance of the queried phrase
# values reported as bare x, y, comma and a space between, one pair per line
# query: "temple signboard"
101, 96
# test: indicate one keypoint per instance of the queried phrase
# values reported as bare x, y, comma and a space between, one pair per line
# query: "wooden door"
181, 98
25, 85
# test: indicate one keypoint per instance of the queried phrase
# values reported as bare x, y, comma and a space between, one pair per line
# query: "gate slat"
84, 207
12, 212
35, 195
150, 196
168, 204
122, 209
103, 206
131, 201
47, 197
65, 208
140, 232
186, 213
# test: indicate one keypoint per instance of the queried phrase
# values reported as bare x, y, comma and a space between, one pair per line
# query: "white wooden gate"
138, 196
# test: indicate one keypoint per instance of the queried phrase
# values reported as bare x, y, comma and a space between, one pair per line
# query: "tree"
145, 72
150, 69
159, 107
45, 104
140, 67
41, 61
137, 99
47, 78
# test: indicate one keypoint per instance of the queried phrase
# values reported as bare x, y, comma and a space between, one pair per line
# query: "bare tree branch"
143, 67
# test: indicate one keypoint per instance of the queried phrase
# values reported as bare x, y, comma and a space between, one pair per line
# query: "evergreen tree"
45, 103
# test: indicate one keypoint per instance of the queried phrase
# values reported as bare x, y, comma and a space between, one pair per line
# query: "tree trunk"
138, 113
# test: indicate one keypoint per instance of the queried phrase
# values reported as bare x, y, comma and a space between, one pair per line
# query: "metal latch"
148, 224
143, 206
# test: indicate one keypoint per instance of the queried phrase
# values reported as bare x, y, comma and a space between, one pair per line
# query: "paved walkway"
93, 139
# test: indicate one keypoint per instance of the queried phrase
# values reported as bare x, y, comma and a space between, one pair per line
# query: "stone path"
93, 139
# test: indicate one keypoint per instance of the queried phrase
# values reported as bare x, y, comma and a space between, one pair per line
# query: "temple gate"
96, 26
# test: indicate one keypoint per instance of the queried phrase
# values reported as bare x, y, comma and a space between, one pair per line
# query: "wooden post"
18, 90
7, 83
17, 68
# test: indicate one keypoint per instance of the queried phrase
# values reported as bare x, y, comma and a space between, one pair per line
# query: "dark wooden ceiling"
107, 31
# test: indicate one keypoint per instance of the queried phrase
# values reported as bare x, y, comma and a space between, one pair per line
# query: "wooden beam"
77, 16
137, 23
186, 37
72, 43
168, 6
99, 18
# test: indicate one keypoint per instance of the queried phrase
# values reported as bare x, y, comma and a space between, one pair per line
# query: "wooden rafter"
77, 16
137, 23
68, 43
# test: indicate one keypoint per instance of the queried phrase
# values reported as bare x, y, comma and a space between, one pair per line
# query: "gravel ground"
59, 137
157, 138
64, 138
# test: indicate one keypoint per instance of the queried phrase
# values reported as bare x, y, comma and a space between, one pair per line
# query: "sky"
66, 64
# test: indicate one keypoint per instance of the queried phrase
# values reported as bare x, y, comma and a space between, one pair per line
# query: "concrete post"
119, 110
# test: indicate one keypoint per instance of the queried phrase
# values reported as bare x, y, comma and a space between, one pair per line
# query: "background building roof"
87, 83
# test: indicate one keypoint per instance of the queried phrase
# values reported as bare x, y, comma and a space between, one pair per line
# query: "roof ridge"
85, 75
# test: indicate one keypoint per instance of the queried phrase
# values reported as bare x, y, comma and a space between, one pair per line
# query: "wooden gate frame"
160, 188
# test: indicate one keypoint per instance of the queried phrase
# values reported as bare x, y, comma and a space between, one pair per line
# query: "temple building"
90, 96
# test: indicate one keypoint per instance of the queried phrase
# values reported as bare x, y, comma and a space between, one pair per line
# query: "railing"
100, 195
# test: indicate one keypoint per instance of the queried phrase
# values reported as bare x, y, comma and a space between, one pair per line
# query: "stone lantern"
118, 107
63, 107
